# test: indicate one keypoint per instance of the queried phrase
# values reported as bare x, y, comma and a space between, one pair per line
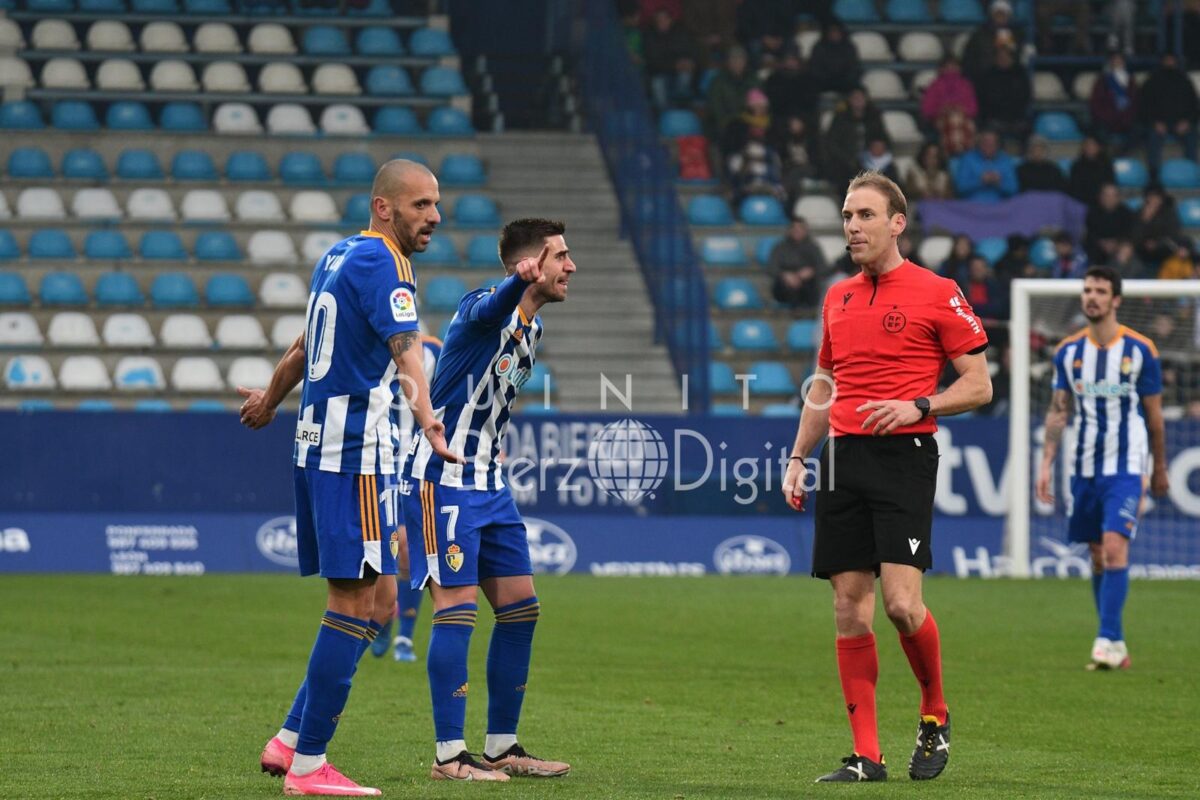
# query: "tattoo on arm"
401, 342
1056, 418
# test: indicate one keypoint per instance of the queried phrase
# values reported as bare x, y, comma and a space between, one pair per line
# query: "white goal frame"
1016, 534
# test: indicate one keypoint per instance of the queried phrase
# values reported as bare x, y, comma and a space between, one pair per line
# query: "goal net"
1168, 538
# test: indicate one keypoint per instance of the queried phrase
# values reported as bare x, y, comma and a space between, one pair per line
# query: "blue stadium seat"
720, 378
325, 40
708, 209
358, 208
139, 165
51, 243
442, 82
539, 378
440, 252
8, 246
482, 253
762, 210
714, 338
193, 165
723, 251
461, 169
228, 289
1042, 253
379, 41
153, 6
1189, 212
727, 409
771, 377
13, 291
855, 11
128, 115
449, 121
373, 8
29, 162
431, 42
801, 335
1180, 173
207, 8
301, 168
153, 405
992, 248
62, 289
1133, 203
246, 165
442, 293
162, 246
753, 334
207, 407
1057, 126
35, 405
173, 290
388, 80
106, 246
118, 289
961, 12
74, 115
102, 6
180, 116
736, 294
83, 164
1130, 172
217, 246
92, 405
780, 410
354, 168
21, 115
476, 211
679, 122
396, 121
908, 11
762, 250
412, 155
51, 6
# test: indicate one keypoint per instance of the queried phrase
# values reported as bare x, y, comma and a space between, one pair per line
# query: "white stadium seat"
204, 205
883, 84
110, 36
150, 204
286, 330
163, 37
921, 80
290, 118
271, 247
283, 290
901, 127
173, 75
216, 37
95, 203
39, 202
920, 46
335, 79
934, 250
119, 75
54, 34
832, 247
236, 118
960, 44
317, 244
184, 330
15, 73
819, 211
271, 38
1082, 86
871, 46
1047, 87
806, 40
11, 38
196, 374
28, 373
127, 330
313, 206
64, 73
72, 329
240, 332
225, 77
259, 205
341, 119
279, 77
19, 329
83, 374
253, 372
138, 374
5, 212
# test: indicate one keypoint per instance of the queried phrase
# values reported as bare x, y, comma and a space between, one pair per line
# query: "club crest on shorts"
395, 544
454, 557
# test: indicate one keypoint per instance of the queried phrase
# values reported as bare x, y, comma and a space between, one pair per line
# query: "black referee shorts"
874, 503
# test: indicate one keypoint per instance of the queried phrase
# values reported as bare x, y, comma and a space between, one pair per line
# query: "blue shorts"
458, 537
1106, 503
345, 524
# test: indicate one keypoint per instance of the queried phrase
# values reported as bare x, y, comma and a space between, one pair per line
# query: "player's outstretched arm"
259, 407
1056, 422
814, 425
409, 355
497, 307
1152, 407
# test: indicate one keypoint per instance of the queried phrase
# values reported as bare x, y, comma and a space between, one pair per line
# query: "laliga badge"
454, 557
395, 543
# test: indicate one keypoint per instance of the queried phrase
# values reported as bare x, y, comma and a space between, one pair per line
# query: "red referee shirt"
889, 338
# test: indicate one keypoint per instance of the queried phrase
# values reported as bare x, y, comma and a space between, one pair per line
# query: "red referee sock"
858, 667
924, 651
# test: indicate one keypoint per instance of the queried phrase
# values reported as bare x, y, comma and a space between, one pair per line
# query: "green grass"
147, 689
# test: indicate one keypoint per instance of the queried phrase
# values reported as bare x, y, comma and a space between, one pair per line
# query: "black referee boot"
932, 752
857, 768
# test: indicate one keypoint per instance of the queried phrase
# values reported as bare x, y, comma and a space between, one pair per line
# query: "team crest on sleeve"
404, 307
395, 544
454, 557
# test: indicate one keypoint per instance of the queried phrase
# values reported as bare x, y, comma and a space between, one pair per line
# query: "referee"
888, 333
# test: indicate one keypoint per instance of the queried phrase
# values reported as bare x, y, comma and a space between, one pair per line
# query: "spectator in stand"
949, 89
797, 266
683, 86
834, 61
1181, 263
790, 87
727, 92
997, 33
664, 44
1122, 19
983, 291
1069, 260
1108, 222
956, 131
985, 174
1091, 169
856, 121
1156, 227
1079, 11
754, 123
1191, 28
1004, 96
960, 256
765, 25
1125, 261
712, 25
1169, 108
927, 178
631, 29
797, 146
1037, 173
649, 8
1015, 263
878, 156
1114, 102
753, 165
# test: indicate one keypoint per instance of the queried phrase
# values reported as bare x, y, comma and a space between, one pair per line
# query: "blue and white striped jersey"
1108, 383
408, 423
362, 294
486, 359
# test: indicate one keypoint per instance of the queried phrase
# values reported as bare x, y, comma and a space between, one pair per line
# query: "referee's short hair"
1106, 274
873, 179
521, 234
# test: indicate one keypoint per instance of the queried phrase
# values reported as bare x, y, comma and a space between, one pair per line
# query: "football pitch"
148, 689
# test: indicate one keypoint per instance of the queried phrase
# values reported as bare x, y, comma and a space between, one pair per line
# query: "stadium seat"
95, 204
902, 128
29, 162
871, 46
62, 289
317, 244
1048, 88
236, 118
933, 250
11, 38
440, 252
357, 169
19, 329
13, 291
182, 117
106, 246
855, 12
72, 329
215, 38
963, 12
378, 41
737, 294
771, 377
461, 169
336, 79
883, 84
1057, 126
193, 165
172, 75
110, 36
270, 38
449, 121
283, 290
476, 211
1130, 173
118, 289
258, 205
92, 405
127, 330
679, 122
396, 121
40, 202
128, 115
993, 248
248, 166
1083, 84
173, 290
150, 205
388, 80
325, 40
1042, 253
720, 378
119, 75
83, 164
482, 253
442, 82
1180, 173
708, 210
1189, 212
240, 332
74, 115
252, 372
154, 6
184, 331
216, 246
341, 119
819, 211
280, 77
53, 34
908, 12
207, 406
442, 293
225, 77
210, 8
762, 250
15, 74
431, 42
271, 247
228, 289
832, 247
301, 168
28, 373
8, 246
153, 405
162, 36
753, 334
723, 251
728, 409
139, 165
762, 210
161, 246
920, 46
83, 374
802, 335
290, 119
313, 207
196, 374
51, 243
286, 330
138, 374
20, 115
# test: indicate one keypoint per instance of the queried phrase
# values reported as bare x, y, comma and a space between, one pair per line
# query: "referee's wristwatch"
922, 404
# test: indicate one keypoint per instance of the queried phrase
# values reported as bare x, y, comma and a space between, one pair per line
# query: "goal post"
1024, 417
